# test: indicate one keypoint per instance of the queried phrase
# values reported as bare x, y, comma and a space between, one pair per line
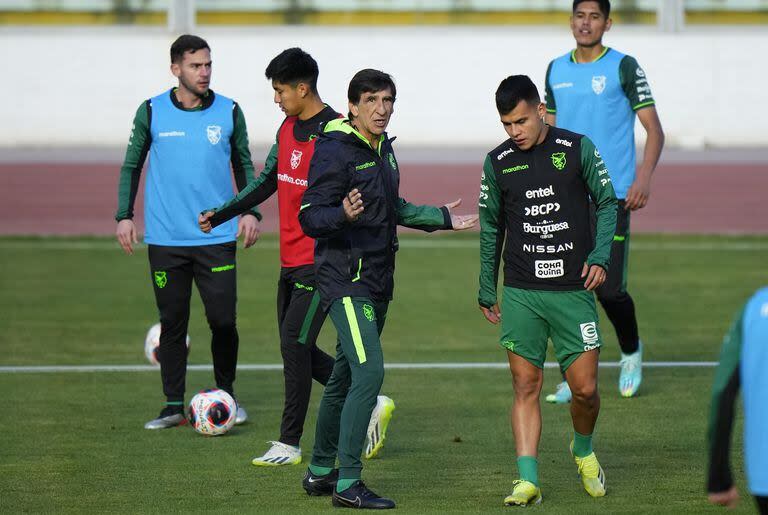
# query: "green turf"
73, 442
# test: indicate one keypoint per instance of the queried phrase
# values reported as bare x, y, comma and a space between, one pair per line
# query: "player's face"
372, 112
588, 24
194, 71
524, 124
289, 98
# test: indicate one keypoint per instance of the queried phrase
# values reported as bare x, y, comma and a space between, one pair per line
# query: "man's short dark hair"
184, 44
369, 81
293, 66
513, 90
604, 5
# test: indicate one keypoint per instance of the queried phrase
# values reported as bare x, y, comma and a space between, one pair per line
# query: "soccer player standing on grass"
743, 361
191, 135
352, 207
596, 90
534, 202
294, 76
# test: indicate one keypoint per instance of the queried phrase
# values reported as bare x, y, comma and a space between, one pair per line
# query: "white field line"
426, 243
55, 369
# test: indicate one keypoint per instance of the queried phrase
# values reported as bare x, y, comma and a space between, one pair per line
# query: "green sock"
528, 467
582, 444
320, 471
343, 484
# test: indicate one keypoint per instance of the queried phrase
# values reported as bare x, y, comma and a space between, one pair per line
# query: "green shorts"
530, 317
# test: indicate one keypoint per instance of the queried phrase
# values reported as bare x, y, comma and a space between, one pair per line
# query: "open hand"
461, 222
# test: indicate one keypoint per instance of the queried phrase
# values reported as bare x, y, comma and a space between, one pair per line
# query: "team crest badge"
214, 133
598, 84
392, 162
161, 279
296, 158
558, 160
370, 315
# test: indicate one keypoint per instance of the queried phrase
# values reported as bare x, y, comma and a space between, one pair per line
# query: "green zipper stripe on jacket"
359, 267
357, 338
313, 304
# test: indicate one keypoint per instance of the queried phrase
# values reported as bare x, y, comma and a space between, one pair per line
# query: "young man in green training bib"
535, 204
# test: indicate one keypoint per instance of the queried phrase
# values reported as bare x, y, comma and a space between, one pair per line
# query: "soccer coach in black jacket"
352, 207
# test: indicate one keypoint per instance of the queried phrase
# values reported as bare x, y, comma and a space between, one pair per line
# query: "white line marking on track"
55, 369
406, 243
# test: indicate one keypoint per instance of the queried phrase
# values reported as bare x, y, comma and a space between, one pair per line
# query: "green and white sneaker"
631, 372
524, 493
562, 394
377, 427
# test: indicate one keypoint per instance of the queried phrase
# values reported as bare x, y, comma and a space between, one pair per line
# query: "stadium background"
75, 71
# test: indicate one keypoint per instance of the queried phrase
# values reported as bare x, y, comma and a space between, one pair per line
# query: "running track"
80, 198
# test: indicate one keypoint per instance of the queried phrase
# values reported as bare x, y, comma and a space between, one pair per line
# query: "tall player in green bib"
535, 205
597, 91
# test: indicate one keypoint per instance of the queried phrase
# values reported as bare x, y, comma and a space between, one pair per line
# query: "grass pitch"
73, 442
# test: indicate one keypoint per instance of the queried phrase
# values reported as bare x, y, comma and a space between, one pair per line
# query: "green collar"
602, 54
344, 125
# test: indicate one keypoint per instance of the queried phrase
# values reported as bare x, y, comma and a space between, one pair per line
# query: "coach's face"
194, 71
524, 124
372, 113
588, 24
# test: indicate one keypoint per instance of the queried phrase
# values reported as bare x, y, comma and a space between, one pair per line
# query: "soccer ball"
152, 344
212, 412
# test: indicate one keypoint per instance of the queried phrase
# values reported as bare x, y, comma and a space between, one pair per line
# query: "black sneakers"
320, 485
359, 496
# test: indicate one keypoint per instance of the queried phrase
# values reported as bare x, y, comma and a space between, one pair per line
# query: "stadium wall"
81, 86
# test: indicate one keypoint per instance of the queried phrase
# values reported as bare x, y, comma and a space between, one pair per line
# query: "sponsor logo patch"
564, 142
542, 209
517, 168
589, 334
506, 152
547, 249
365, 166
170, 134
541, 192
549, 268
562, 85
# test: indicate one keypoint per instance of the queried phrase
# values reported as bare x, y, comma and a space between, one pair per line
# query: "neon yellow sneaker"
524, 493
592, 475
377, 427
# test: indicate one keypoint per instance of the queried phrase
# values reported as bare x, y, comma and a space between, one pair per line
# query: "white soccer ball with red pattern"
212, 412
152, 344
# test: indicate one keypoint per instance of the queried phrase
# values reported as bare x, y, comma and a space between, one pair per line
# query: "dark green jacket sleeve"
601, 189
135, 155
724, 391
492, 230
242, 166
425, 218
635, 84
253, 194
